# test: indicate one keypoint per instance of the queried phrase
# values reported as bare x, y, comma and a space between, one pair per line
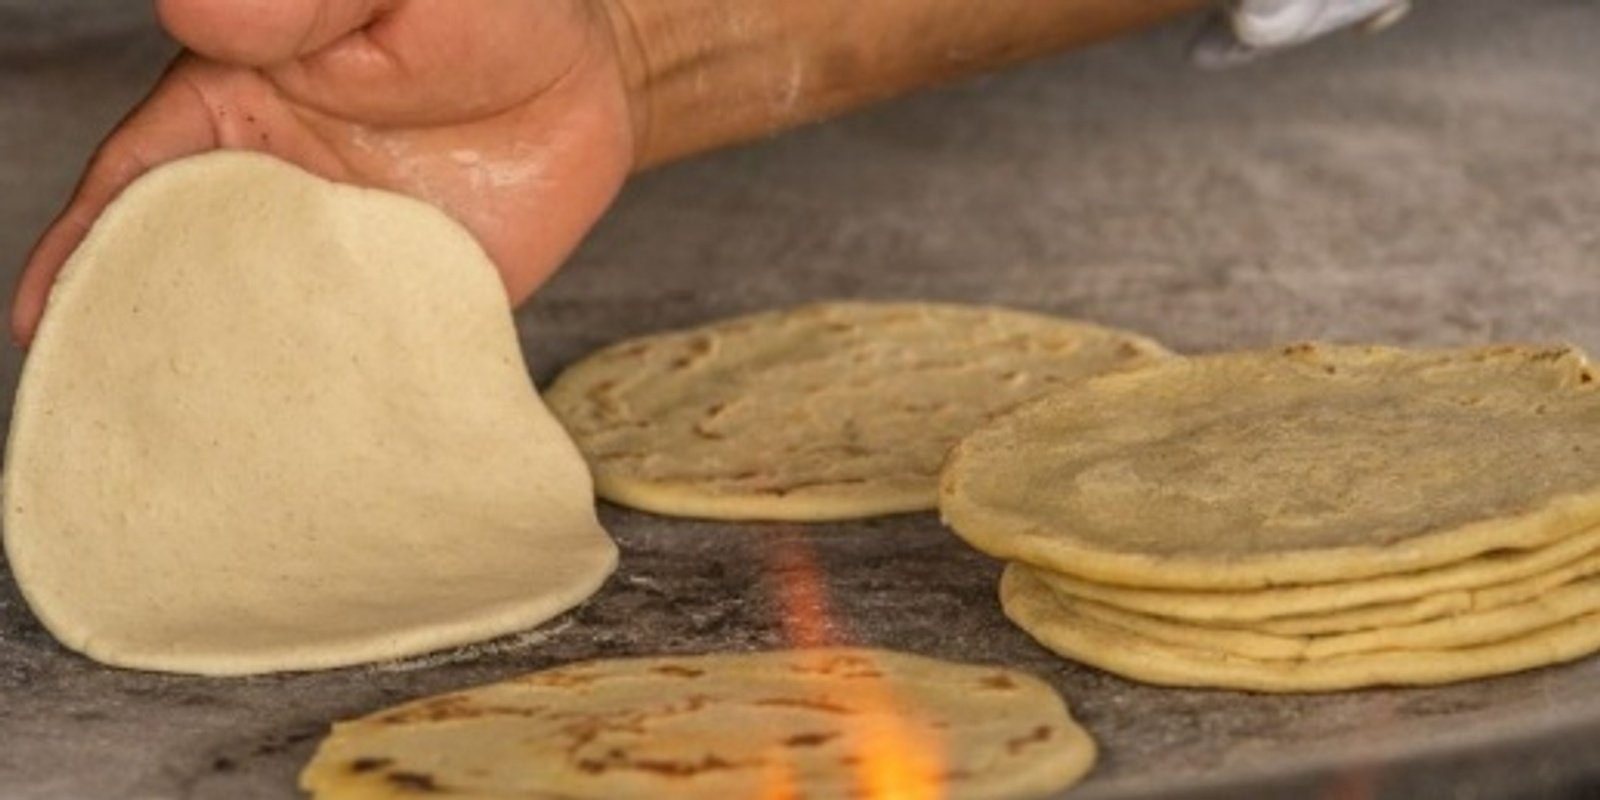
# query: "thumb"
262, 33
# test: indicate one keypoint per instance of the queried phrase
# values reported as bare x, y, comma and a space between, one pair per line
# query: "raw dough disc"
828, 411
830, 723
1305, 464
1063, 628
274, 423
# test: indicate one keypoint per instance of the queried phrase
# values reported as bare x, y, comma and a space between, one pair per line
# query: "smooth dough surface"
819, 724
1305, 464
274, 423
833, 410
1136, 654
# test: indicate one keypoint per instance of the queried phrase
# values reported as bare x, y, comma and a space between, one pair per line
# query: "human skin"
523, 118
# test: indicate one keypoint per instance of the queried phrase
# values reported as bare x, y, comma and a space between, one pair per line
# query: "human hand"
510, 115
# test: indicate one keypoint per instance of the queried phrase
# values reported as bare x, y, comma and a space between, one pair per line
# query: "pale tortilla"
1306, 464
827, 411
832, 723
1061, 627
273, 423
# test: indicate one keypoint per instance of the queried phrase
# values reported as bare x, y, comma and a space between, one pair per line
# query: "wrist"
702, 74
622, 25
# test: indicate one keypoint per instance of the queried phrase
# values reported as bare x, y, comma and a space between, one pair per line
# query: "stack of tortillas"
828, 723
1303, 519
828, 411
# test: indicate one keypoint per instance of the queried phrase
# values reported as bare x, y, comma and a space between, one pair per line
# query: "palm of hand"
511, 116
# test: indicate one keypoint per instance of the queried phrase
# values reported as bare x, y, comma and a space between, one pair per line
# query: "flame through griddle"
893, 756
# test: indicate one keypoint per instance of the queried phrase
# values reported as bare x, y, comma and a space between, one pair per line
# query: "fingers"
261, 33
168, 125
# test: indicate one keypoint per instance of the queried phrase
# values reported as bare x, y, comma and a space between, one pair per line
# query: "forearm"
708, 73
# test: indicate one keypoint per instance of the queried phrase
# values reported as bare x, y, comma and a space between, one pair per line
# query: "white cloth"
1247, 29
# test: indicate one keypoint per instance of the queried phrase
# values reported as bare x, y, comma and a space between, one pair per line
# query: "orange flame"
894, 758
806, 616
777, 779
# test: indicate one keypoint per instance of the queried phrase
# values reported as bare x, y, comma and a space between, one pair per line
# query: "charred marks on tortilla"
1550, 354
1039, 735
810, 739
999, 682
698, 350
367, 764
619, 760
435, 710
820, 706
679, 768
414, 781
691, 704
856, 665
678, 671
844, 666
703, 430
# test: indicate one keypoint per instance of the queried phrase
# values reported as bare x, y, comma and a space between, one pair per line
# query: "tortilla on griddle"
1060, 624
1469, 627
1301, 465
1476, 583
828, 723
828, 411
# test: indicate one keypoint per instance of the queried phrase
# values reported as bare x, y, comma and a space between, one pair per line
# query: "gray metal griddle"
1437, 184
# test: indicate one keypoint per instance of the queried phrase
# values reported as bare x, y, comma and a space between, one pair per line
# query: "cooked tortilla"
1137, 653
1301, 465
1474, 583
1465, 628
831, 723
828, 411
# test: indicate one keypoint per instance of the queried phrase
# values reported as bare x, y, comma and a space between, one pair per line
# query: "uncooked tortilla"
833, 410
274, 423
819, 724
